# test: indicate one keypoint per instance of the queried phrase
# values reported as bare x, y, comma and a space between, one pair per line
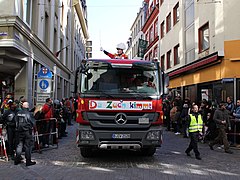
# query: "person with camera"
221, 117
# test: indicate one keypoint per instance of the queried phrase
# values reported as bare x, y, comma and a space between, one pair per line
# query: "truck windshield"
139, 79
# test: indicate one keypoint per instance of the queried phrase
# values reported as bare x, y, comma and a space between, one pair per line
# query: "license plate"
143, 120
120, 136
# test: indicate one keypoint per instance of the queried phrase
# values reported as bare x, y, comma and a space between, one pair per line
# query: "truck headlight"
86, 135
153, 135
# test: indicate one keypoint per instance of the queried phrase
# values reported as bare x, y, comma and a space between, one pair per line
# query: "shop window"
203, 34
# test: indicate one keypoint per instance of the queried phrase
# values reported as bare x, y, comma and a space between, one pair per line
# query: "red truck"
119, 105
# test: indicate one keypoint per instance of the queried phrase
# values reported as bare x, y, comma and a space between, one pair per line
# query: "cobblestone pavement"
169, 162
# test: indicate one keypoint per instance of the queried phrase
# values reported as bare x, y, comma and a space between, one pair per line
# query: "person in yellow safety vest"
195, 127
119, 55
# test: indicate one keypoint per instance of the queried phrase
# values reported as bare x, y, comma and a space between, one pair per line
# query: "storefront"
213, 77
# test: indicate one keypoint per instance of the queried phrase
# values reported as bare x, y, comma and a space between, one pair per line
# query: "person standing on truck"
119, 55
195, 124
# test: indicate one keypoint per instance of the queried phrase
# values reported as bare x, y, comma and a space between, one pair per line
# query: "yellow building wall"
228, 68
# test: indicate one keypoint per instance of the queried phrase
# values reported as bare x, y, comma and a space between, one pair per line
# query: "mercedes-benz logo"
121, 118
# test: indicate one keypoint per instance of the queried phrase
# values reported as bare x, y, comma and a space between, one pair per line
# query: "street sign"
44, 85
42, 97
142, 46
44, 73
44, 81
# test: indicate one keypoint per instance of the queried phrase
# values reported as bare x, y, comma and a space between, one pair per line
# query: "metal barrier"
234, 133
3, 151
44, 132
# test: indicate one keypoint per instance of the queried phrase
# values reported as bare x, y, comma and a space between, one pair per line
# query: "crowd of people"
22, 123
205, 122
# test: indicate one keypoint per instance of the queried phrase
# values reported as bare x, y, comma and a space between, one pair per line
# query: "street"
169, 162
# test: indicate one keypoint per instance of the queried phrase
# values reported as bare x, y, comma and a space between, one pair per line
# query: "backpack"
39, 115
22, 123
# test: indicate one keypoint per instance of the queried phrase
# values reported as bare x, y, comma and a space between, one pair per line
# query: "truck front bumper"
116, 139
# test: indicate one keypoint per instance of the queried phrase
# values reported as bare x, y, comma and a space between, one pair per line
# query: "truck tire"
148, 151
86, 152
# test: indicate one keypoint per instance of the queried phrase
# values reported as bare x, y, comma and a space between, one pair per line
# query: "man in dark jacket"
24, 126
9, 120
221, 117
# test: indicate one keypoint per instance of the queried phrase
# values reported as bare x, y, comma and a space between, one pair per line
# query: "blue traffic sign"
43, 84
44, 73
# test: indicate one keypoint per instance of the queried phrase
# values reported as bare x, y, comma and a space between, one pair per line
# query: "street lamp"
89, 49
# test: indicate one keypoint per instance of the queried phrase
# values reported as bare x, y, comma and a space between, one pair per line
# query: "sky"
109, 23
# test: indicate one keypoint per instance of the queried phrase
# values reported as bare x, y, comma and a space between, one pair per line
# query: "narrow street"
169, 162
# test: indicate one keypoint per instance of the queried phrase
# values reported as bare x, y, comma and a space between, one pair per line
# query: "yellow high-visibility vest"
194, 125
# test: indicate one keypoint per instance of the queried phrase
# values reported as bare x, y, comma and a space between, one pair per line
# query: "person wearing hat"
119, 55
221, 117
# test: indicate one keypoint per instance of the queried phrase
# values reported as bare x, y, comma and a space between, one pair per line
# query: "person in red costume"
119, 55
47, 110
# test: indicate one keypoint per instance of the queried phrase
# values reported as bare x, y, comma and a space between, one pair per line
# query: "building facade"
151, 30
199, 48
136, 34
36, 34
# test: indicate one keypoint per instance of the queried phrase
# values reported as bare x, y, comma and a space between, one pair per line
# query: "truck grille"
106, 120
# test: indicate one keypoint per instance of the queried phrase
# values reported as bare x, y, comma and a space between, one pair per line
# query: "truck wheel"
86, 152
148, 151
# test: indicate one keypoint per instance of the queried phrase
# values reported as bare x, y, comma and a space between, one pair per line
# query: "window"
176, 55
27, 11
203, 34
162, 62
189, 15
176, 13
151, 35
168, 22
156, 28
162, 29
147, 37
161, 1
155, 55
169, 59
150, 55
46, 30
